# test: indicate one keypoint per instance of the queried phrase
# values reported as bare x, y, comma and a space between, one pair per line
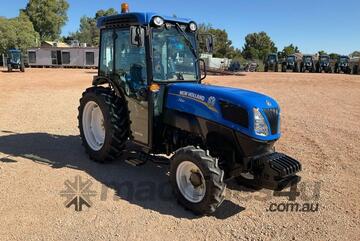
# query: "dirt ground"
40, 150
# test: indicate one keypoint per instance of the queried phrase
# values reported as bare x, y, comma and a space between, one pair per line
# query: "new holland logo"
211, 101
268, 103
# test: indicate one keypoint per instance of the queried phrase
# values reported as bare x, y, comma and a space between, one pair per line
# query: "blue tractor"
148, 94
15, 60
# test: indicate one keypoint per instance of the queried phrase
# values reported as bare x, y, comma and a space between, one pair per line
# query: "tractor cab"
15, 60
342, 65
307, 64
323, 65
271, 62
148, 93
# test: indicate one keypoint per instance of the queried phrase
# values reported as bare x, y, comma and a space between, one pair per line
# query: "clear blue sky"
313, 25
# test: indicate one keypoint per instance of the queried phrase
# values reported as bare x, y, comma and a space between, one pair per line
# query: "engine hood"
205, 101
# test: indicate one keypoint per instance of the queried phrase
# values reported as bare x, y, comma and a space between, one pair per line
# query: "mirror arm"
205, 73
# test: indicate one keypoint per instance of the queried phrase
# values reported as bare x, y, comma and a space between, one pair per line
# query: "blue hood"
204, 101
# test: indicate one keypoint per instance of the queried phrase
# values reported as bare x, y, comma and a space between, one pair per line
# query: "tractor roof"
136, 19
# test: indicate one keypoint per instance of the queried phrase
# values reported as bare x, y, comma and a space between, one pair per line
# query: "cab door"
131, 74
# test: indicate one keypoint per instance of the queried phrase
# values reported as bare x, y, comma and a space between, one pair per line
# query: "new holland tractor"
15, 60
323, 64
307, 64
291, 63
342, 65
271, 62
212, 133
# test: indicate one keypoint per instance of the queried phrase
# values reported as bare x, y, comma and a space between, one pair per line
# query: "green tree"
322, 52
288, 50
355, 54
48, 17
258, 45
88, 32
222, 44
334, 56
17, 33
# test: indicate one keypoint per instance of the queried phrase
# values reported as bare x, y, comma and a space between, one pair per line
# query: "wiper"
187, 41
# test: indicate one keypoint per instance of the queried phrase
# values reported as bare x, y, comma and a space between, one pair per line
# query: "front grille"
272, 116
234, 114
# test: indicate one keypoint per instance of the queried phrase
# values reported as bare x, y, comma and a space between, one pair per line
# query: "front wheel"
104, 124
197, 180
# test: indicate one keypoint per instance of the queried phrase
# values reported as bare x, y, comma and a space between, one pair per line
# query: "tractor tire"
197, 180
9, 68
22, 68
276, 68
104, 124
283, 68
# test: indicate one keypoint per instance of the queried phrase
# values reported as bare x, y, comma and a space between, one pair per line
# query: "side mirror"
137, 36
207, 41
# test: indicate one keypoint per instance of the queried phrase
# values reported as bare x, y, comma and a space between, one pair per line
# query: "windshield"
174, 59
15, 56
343, 60
324, 59
272, 57
308, 59
291, 59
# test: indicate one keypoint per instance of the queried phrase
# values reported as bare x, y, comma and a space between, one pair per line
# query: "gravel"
40, 149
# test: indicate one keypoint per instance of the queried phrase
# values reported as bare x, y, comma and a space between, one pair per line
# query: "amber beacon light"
124, 8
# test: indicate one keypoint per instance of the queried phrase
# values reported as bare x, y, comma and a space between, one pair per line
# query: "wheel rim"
93, 125
191, 181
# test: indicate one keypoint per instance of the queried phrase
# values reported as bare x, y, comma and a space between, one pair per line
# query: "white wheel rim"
93, 125
193, 193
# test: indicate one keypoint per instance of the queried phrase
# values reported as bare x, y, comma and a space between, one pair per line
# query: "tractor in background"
15, 60
323, 64
291, 63
308, 64
212, 133
342, 65
271, 63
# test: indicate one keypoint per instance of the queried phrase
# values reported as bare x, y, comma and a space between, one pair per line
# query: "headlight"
260, 126
158, 21
192, 27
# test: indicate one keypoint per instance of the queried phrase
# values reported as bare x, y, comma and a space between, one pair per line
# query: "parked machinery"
342, 65
15, 60
355, 64
291, 63
307, 64
323, 65
271, 62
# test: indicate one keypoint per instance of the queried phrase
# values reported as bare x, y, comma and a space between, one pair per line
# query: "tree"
334, 56
48, 17
355, 54
288, 50
322, 52
258, 45
222, 45
88, 31
17, 33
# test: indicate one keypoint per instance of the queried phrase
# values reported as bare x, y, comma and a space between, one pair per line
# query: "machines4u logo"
78, 193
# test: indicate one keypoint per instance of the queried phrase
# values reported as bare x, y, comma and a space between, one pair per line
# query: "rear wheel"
104, 124
197, 180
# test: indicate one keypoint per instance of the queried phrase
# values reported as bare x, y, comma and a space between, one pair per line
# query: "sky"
312, 25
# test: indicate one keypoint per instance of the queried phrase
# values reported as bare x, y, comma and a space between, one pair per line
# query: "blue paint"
198, 104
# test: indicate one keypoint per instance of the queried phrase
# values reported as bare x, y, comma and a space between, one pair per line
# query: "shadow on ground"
146, 185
